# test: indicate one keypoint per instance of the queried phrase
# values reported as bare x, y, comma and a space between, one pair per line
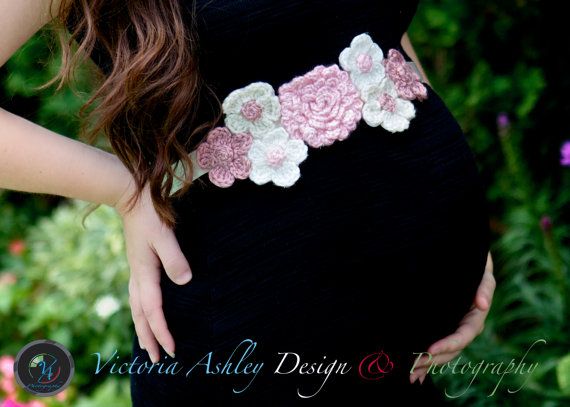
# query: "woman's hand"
150, 243
471, 325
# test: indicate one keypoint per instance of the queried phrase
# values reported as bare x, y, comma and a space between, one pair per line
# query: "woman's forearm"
35, 159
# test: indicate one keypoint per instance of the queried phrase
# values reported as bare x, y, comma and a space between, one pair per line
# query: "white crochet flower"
383, 107
363, 60
254, 109
276, 157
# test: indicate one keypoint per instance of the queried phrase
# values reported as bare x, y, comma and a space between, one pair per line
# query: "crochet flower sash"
266, 135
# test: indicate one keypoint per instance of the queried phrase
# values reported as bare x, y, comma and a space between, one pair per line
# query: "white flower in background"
106, 306
276, 157
383, 107
254, 109
363, 60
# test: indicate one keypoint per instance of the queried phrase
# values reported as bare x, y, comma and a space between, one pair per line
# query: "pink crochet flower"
408, 84
321, 106
224, 154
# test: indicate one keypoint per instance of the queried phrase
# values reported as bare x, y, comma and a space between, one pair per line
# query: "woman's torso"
342, 260
387, 205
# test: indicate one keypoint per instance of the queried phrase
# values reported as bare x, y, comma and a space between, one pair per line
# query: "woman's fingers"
150, 244
486, 289
419, 375
173, 260
144, 333
420, 369
485, 292
136, 311
151, 296
472, 324
447, 348
437, 359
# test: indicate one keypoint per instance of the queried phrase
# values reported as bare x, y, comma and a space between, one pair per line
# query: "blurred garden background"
501, 66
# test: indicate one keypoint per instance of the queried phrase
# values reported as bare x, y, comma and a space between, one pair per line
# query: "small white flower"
276, 157
254, 109
363, 60
384, 107
106, 306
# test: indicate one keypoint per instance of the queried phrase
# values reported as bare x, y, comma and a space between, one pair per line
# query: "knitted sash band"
266, 135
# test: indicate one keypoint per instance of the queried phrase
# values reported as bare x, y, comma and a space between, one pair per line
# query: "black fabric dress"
378, 248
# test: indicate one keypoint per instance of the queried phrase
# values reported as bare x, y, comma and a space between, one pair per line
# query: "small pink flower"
62, 396
407, 82
321, 106
7, 278
8, 386
35, 403
9, 402
17, 247
224, 154
7, 366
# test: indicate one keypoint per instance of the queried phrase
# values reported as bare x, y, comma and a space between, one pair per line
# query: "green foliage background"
484, 59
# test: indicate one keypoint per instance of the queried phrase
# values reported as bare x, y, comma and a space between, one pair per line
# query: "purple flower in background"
503, 121
546, 223
565, 154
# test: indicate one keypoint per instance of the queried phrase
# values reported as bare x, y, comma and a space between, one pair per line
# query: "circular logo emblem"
44, 367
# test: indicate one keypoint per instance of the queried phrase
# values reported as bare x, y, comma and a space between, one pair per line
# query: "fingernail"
413, 379
153, 359
184, 278
422, 379
170, 353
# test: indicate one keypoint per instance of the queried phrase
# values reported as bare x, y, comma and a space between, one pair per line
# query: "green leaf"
563, 374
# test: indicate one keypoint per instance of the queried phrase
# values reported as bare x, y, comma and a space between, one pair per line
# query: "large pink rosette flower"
406, 80
224, 154
321, 106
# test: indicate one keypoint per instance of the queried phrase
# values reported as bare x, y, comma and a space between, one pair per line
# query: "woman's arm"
408, 47
446, 349
35, 159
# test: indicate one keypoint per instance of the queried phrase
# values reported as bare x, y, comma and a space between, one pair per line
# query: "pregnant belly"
384, 235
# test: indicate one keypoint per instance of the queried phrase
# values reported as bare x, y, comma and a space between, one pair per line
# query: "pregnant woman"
289, 158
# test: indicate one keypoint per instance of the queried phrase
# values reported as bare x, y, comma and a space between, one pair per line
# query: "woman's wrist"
122, 199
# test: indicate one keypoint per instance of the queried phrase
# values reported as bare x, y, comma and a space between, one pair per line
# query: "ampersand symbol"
375, 366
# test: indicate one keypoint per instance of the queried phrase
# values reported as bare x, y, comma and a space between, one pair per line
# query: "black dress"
378, 248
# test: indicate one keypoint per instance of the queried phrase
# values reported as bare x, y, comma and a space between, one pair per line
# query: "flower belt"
266, 135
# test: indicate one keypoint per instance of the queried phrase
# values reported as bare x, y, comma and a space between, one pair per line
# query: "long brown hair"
147, 104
